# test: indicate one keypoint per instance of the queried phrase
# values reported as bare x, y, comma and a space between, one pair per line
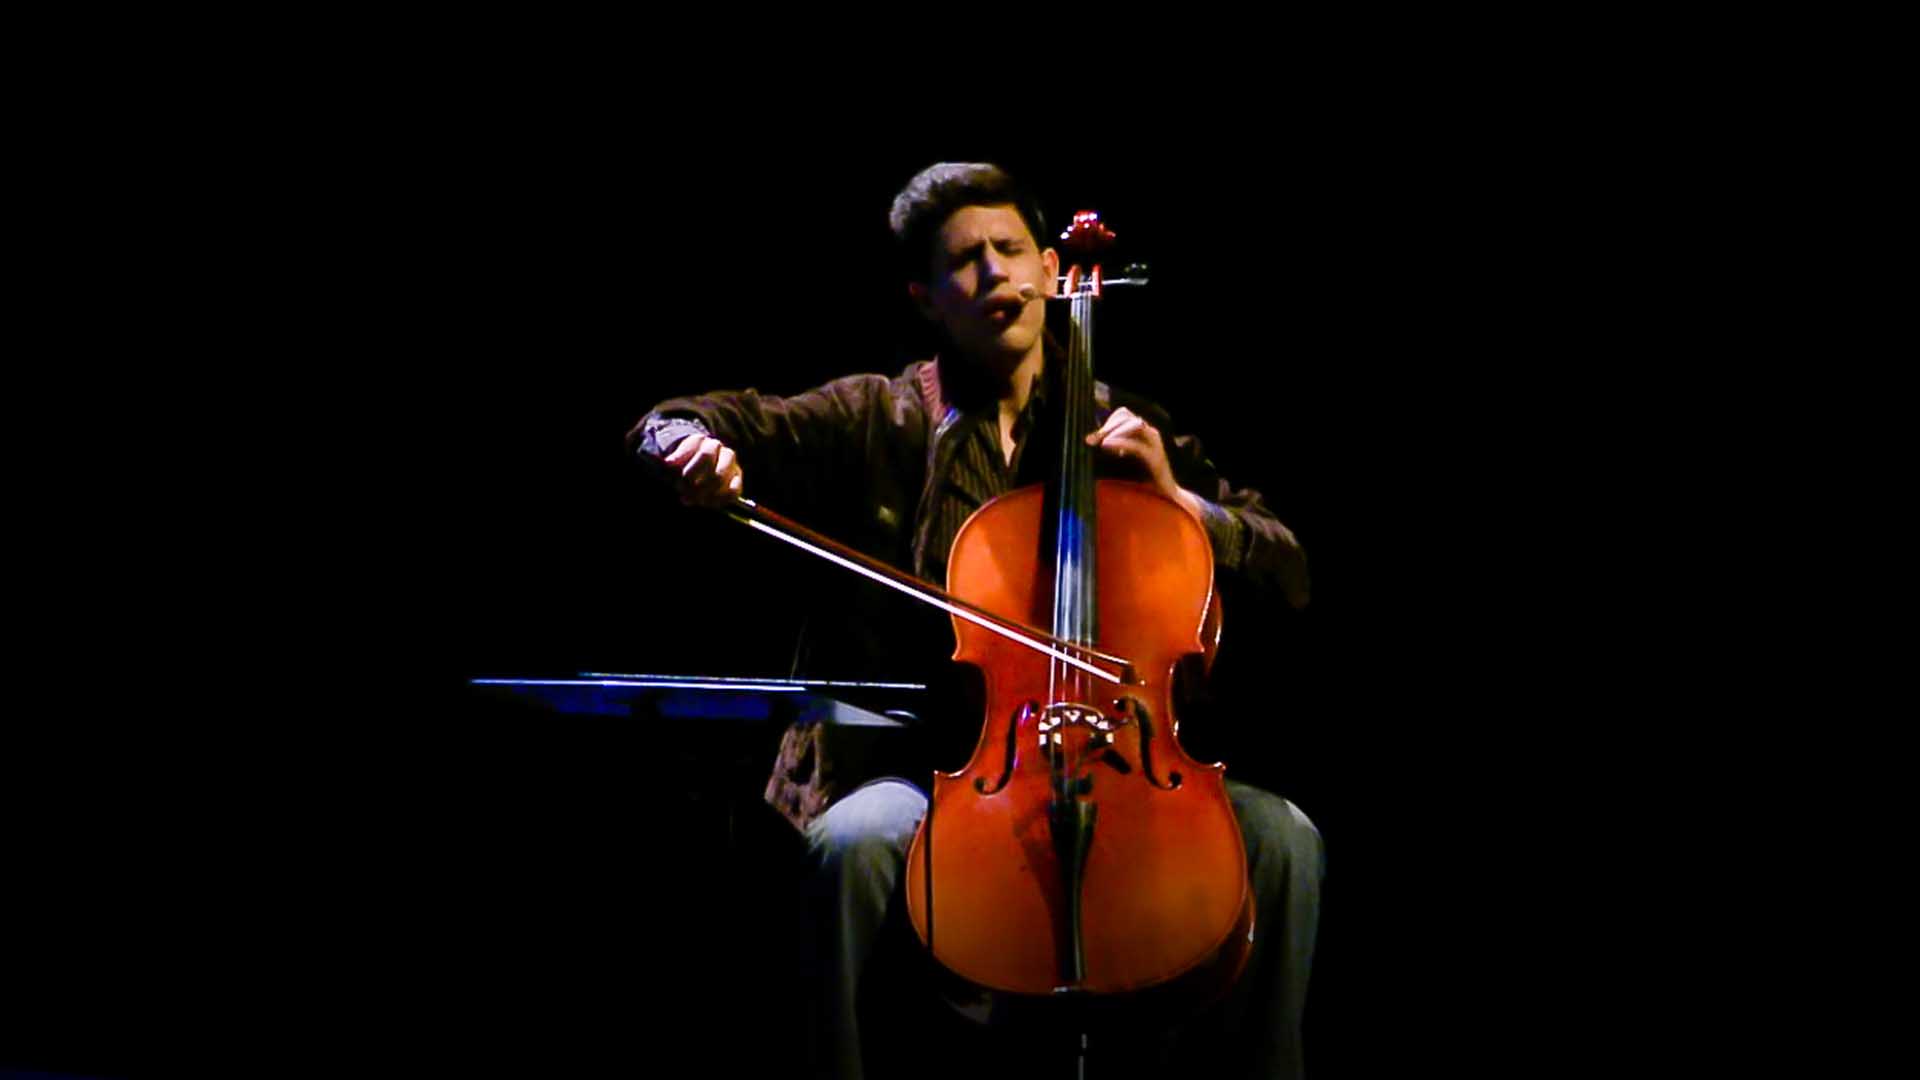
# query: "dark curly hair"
933, 195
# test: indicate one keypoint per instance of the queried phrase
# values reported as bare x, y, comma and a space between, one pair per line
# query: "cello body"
1080, 855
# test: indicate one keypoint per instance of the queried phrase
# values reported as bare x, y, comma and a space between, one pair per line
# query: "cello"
1081, 858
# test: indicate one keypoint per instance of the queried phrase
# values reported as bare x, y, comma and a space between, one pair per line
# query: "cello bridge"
1061, 716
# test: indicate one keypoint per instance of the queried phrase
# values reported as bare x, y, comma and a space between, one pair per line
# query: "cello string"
1084, 507
1083, 497
1066, 450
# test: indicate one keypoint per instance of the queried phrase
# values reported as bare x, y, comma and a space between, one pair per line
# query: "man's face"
981, 256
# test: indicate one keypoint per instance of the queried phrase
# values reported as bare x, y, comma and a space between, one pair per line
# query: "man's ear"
922, 300
1051, 260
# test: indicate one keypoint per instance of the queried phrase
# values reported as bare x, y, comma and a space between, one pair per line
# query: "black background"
1384, 315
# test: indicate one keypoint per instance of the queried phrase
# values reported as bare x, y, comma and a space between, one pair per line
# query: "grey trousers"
856, 856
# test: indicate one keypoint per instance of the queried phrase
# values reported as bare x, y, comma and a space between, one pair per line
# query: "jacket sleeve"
790, 449
1249, 542
1248, 539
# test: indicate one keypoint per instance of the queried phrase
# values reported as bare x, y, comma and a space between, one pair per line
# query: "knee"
1281, 839
867, 832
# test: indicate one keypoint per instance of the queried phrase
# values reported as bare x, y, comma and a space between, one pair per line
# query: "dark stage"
346, 859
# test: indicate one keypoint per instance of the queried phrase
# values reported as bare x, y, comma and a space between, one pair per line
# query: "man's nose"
993, 267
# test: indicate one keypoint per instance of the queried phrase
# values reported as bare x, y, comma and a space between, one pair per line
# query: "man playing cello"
894, 466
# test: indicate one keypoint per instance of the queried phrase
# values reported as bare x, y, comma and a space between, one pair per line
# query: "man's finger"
1114, 420
702, 459
688, 449
1128, 430
691, 446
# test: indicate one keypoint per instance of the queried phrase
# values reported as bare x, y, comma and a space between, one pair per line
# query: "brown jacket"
879, 463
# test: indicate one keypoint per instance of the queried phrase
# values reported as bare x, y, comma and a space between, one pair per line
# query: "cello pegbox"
1086, 236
